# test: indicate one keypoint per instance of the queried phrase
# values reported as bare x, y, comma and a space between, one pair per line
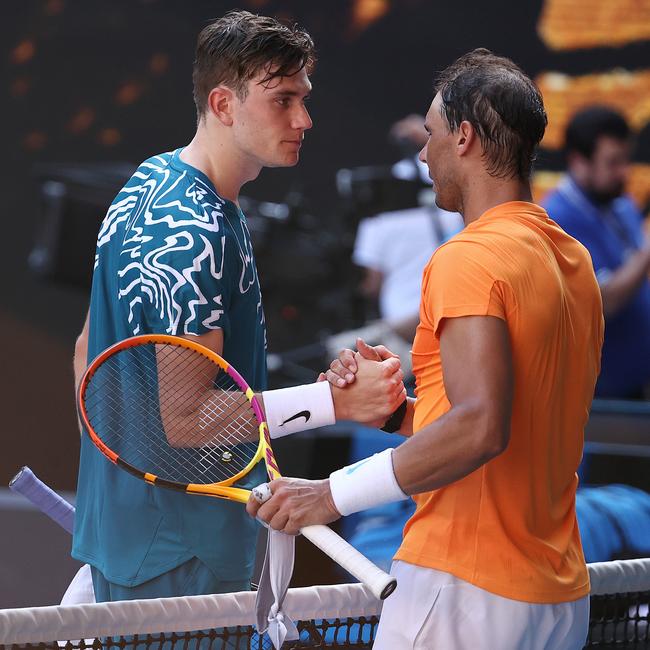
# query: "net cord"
182, 614
190, 613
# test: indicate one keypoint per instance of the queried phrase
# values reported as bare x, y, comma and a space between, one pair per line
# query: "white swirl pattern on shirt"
148, 209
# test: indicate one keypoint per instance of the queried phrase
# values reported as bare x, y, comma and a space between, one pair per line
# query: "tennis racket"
43, 497
176, 415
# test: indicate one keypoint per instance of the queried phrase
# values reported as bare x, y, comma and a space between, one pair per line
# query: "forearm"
448, 449
624, 282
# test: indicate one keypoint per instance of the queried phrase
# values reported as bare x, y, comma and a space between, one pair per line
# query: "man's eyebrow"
292, 93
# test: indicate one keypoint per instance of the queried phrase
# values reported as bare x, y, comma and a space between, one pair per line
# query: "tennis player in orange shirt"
506, 357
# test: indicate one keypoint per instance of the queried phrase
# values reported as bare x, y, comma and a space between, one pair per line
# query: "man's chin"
286, 162
442, 204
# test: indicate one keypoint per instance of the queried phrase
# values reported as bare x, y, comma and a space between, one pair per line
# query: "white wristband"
370, 482
298, 408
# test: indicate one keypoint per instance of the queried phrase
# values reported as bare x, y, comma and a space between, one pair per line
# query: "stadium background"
102, 85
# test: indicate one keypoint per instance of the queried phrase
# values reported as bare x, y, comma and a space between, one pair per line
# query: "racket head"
175, 414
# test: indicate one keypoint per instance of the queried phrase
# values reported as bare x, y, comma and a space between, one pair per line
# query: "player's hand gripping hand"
342, 370
295, 503
376, 392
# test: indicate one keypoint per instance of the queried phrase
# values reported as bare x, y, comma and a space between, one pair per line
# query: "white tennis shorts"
433, 610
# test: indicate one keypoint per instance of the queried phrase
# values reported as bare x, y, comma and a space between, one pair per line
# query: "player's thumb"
367, 351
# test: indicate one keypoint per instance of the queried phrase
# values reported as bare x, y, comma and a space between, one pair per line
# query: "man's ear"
221, 102
465, 138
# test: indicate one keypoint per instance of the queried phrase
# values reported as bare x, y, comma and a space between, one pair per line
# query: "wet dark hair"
589, 124
503, 105
234, 48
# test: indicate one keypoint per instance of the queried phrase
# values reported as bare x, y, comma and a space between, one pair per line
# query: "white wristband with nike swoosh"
370, 482
298, 408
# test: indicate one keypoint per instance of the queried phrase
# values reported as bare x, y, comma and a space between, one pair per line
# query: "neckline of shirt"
177, 163
512, 207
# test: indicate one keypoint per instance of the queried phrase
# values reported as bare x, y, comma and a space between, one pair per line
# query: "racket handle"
379, 582
44, 498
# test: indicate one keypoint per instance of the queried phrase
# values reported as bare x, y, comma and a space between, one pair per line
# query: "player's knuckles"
252, 507
275, 484
293, 522
337, 367
281, 493
279, 521
386, 370
384, 352
332, 377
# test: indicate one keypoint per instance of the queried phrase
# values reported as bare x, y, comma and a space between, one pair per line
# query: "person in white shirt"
394, 247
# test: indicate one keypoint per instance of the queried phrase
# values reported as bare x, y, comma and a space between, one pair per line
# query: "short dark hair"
589, 124
502, 103
234, 48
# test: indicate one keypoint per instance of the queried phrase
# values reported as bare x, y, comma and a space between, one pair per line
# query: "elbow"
80, 354
80, 346
492, 439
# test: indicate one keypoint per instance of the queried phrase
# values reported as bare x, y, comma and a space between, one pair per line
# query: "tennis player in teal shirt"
174, 256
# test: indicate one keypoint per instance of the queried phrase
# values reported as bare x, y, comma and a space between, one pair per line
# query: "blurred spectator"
394, 247
409, 136
590, 204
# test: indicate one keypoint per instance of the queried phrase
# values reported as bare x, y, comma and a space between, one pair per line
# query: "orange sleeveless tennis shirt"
510, 526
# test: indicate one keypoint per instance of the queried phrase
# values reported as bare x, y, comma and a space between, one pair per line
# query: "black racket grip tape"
44, 498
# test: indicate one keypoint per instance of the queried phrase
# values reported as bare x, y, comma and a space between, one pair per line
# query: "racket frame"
222, 489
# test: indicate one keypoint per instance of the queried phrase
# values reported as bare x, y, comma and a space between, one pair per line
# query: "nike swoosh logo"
302, 414
355, 467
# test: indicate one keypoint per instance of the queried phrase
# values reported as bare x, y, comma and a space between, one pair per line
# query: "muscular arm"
477, 371
376, 393
478, 376
213, 340
194, 422
619, 288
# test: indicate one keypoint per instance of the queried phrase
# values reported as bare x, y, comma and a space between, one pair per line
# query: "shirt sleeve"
189, 282
459, 282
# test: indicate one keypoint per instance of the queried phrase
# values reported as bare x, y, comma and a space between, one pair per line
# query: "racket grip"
380, 583
44, 498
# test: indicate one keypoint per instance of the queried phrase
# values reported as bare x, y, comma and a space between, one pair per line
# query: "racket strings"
134, 449
146, 449
169, 411
227, 411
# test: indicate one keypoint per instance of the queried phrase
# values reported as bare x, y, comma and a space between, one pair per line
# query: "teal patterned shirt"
172, 257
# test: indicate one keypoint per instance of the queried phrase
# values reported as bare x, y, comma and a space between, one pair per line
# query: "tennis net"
337, 616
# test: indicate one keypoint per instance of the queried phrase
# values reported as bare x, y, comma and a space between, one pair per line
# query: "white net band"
184, 614
623, 576
190, 613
